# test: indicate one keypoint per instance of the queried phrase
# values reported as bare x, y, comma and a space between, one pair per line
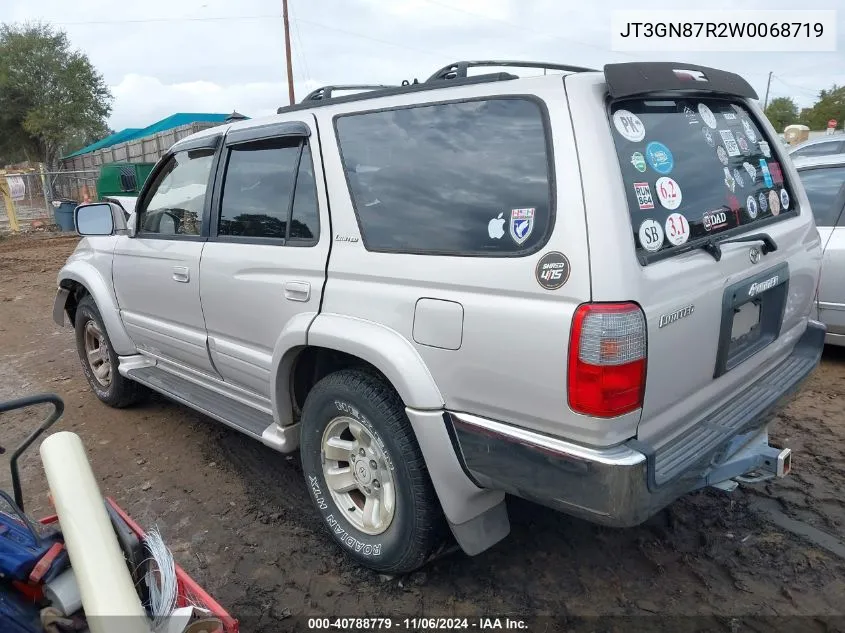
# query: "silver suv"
587, 289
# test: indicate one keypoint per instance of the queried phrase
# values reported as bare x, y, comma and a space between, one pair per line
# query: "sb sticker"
629, 125
784, 199
677, 229
707, 116
552, 270
659, 157
668, 192
730, 142
751, 207
643, 193
749, 130
774, 202
638, 161
651, 235
522, 224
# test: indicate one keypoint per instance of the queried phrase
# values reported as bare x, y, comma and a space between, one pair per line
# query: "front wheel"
366, 474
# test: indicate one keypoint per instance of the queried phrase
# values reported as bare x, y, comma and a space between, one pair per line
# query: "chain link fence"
27, 197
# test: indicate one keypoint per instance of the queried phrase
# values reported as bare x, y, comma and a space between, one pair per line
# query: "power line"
153, 20
301, 48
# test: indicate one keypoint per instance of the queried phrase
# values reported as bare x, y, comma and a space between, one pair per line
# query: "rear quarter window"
694, 168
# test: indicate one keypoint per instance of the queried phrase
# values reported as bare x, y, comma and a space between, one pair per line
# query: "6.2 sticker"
651, 235
668, 192
677, 229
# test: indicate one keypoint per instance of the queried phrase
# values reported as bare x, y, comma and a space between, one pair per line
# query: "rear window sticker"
552, 270
730, 116
730, 142
733, 203
751, 206
643, 192
714, 220
690, 114
751, 171
738, 177
749, 130
707, 116
708, 136
659, 157
677, 229
629, 125
743, 145
651, 235
722, 155
767, 176
764, 204
777, 174
496, 227
764, 147
522, 224
668, 192
730, 183
638, 161
784, 199
774, 202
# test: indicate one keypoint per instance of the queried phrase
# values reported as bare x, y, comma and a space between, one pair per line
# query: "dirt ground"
237, 516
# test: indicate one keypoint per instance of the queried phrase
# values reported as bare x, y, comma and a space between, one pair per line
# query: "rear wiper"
714, 244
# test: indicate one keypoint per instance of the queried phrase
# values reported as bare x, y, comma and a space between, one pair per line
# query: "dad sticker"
643, 193
552, 270
774, 202
659, 157
677, 229
767, 176
714, 220
629, 125
730, 142
707, 116
638, 161
749, 130
751, 207
651, 235
784, 199
668, 192
522, 224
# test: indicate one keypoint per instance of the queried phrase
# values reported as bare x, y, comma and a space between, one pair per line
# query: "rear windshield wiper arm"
714, 244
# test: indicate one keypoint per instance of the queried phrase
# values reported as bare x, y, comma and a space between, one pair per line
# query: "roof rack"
459, 69
326, 91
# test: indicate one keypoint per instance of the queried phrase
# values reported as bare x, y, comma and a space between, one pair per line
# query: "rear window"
464, 178
694, 168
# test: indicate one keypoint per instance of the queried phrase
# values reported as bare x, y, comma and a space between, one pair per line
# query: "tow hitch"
749, 461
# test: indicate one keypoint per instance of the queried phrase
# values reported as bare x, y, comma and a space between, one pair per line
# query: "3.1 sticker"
552, 270
668, 192
629, 125
707, 116
659, 157
643, 193
677, 229
651, 235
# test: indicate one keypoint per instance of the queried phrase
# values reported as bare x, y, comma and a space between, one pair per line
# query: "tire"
404, 541
115, 390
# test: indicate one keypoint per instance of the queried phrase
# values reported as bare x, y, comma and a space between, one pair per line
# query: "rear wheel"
366, 474
99, 360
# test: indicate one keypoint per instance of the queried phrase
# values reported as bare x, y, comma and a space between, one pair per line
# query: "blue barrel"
63, 212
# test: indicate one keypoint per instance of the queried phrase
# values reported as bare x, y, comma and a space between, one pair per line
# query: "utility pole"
765, 101
287, 50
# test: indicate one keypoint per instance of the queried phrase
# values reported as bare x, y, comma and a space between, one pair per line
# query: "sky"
166, 56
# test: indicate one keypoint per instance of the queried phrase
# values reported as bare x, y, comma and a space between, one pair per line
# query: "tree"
831, 105
782, 111
50, 94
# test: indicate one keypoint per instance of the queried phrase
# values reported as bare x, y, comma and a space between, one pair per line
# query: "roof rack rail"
459, 69
326, 91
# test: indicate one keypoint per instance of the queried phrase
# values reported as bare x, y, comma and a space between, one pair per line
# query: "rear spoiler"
637, 78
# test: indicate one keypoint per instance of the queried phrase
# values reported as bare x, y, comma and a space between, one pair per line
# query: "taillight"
607, 359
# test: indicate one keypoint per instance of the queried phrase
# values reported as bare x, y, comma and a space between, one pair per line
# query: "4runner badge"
552, 270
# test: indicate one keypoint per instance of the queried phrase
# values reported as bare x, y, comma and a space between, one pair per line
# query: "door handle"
181, 274
297, 291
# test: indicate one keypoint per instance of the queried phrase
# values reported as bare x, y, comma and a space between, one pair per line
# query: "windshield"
694, 168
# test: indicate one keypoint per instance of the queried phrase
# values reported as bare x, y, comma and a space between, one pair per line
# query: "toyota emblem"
754, 255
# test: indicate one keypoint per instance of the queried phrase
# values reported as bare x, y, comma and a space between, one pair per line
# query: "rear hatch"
688, 176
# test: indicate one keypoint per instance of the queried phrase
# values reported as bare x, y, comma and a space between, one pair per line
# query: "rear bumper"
626, 484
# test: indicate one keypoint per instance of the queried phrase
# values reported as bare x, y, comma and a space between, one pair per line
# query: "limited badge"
643, 193
522, 224
751, 207
677, 229
784, 199
749, 130
777, 175
774, 202
738, 177
722, 155
668, 192
552, 270
743, 145
764, 147
629, 125
767, 176
730, 116
707, 116
730, 142
638, 161
751, 171
659, 157
714, 220
651, 235
763, 202
730, 183
708, 136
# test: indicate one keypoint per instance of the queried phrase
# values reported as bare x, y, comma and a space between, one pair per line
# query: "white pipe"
95, 556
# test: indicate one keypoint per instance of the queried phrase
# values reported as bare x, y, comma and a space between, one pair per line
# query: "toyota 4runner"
589, 289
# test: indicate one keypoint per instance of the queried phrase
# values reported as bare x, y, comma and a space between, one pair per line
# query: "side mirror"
99, 218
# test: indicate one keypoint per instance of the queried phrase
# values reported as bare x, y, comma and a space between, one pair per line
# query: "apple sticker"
496, 227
